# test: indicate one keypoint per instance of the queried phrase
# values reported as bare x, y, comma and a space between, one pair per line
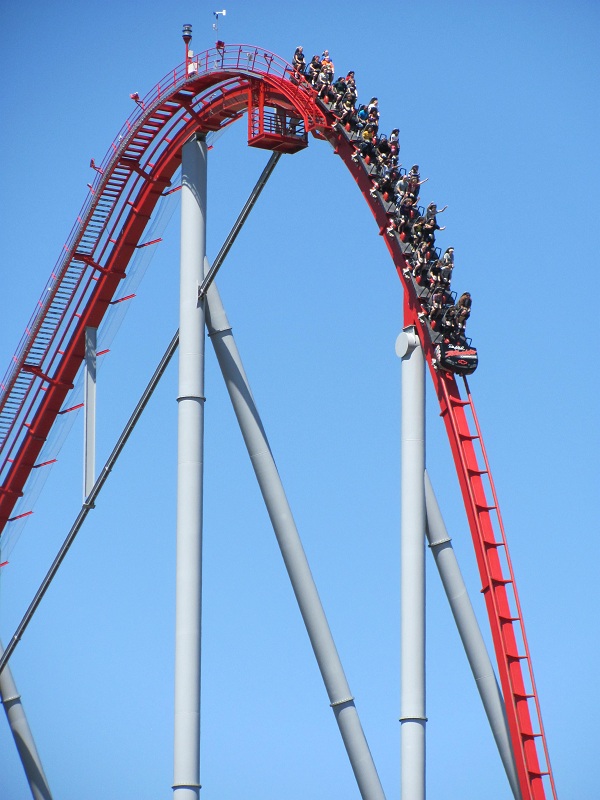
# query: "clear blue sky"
498, 103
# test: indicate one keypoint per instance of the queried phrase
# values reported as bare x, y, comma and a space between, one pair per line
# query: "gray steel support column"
11, 700
292, 551
470, 633
89, 421
412, 588
186, 772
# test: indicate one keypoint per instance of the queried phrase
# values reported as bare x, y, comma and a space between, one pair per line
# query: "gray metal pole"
89, 419
303, 584
186, 772
11, 700
470, 633
210, 274
412, 588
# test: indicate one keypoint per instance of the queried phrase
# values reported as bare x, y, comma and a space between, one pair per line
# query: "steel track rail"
504, 612
128, 184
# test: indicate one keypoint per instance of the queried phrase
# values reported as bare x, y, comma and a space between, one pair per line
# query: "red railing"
126, 187
233, 58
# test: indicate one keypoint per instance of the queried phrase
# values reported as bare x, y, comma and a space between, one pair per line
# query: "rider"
327, 67
448, 257
463, 307
298, 61
313, 70
432, 210
414, 181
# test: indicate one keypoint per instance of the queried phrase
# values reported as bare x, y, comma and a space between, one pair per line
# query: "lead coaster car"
459, 357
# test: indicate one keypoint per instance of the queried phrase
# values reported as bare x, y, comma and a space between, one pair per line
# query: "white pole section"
11, 700
186, 782
89, 422
294, 557
470, 633
412, 571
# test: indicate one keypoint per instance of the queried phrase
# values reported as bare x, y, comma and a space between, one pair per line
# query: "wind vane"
218, 14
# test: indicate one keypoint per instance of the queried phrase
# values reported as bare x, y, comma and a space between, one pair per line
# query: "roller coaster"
203, 95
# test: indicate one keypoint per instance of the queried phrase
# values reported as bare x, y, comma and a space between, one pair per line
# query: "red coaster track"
207, 94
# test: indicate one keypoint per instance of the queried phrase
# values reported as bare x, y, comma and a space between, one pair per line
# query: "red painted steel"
220, 86
506, 622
